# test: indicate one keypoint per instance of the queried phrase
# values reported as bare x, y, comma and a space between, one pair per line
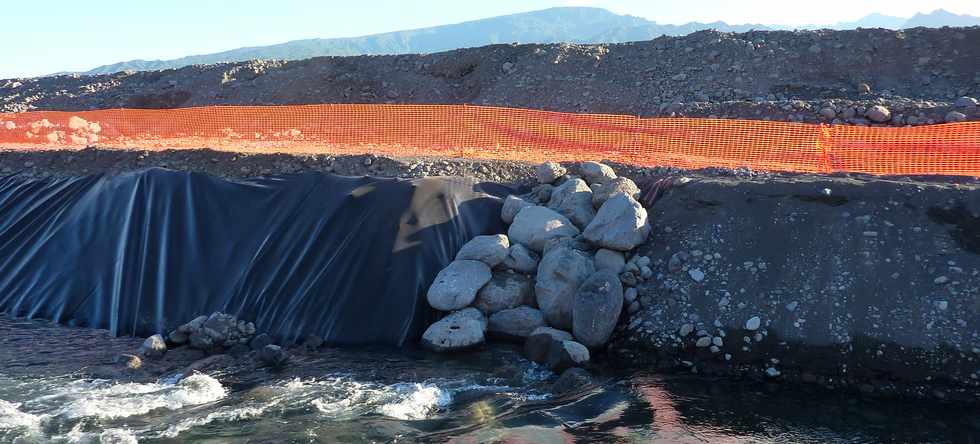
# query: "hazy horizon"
79, 36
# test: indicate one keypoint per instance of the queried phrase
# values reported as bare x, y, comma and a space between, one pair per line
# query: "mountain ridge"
552, 25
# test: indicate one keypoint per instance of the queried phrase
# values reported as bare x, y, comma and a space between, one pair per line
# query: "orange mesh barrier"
511, 134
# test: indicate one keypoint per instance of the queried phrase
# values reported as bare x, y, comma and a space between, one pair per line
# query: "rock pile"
558, 280
220, 330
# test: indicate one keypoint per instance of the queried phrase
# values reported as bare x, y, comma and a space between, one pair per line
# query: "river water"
494, 395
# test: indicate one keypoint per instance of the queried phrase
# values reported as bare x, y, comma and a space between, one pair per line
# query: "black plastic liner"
345, 258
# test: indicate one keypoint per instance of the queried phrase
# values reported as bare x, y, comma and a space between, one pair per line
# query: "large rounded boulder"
534, 226
513, 205
548, 172
515, 323
621, 224
458, 331
567, 354
602, 192
490, 249
539, 343
596, 308
561, 273
522, 260
595, 172
505, 290
573, 199
455, 287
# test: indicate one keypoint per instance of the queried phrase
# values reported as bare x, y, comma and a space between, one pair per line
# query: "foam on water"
130, 399
415, 401
15, 422
81, 401
222, 415
108, 436
279, 395
341, 397
76, 406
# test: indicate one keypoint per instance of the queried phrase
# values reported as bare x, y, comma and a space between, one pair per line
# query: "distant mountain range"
567, 24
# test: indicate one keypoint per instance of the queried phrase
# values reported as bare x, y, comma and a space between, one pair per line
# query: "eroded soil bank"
848, 282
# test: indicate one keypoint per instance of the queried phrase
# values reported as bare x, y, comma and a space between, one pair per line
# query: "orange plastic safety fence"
511, 134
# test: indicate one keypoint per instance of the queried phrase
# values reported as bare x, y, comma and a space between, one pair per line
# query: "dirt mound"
921, 75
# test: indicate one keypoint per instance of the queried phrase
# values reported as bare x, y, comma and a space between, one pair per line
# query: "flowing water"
411, 396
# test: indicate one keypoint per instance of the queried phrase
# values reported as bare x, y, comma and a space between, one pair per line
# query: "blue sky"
69, 35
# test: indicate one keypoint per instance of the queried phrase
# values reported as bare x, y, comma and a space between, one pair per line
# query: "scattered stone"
562, 272
489, 249
455, 286
573, 199
520, 259
677, 260
828, 113
646, 272
696, 274
965, 102
534, 226
685, 330
596, 308
202, 341
628, 279
792, 306
603, 191
717, 341
260, 341
312, 342
571, 381
863, 88
595, 172
940, 280
772, 372
222, 327
703, 342
955, 116
630, 295
515, 323
879, 114
453, 333
753, 323
621, 224
513, 205
611, 260
153, 347
246, 328
567, 354
504, 291
178, 337
131, 362
634, 307
195, 324
549, 171
539, 342
273, 356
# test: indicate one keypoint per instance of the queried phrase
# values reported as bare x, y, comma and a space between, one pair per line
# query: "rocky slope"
920, 75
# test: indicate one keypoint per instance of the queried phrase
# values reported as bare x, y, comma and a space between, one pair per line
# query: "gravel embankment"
920, 76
